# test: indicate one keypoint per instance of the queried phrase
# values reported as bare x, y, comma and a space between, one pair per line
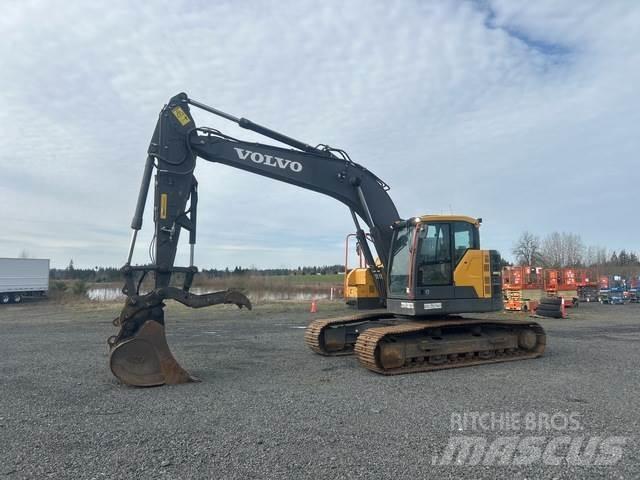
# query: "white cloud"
523, 113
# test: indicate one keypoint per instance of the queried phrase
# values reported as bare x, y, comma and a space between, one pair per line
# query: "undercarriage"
391, 345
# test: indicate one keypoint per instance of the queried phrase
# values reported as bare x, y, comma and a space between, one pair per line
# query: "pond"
109, 294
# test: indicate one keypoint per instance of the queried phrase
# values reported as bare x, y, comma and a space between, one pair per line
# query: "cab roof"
450, 218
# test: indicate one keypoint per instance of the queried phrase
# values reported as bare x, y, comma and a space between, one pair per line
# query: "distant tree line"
560, 250
111, 274
96, 274
306, 270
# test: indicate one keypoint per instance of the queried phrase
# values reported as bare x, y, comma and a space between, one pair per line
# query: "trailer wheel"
5, 298
17, 298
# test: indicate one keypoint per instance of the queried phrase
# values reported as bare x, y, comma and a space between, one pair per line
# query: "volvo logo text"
269, 160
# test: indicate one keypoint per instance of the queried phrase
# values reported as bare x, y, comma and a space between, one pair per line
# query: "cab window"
434, 255
463, 239
399, 271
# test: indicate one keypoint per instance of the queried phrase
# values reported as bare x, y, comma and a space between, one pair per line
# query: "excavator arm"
139, 353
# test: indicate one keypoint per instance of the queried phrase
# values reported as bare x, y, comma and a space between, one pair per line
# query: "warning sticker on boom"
163, 206
182, 117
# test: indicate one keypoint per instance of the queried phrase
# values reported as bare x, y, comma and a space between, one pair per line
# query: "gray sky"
523, 113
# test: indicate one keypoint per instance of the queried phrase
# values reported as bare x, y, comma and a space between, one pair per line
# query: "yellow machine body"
360, 289
474, 270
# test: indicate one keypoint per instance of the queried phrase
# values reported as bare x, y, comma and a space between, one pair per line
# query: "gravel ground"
269, 408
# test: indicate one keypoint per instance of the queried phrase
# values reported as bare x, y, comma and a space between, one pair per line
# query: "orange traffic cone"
314, 306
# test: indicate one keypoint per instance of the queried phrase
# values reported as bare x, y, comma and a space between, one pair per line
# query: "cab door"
434, 261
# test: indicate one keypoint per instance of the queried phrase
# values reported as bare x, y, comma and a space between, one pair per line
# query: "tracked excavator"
430, 268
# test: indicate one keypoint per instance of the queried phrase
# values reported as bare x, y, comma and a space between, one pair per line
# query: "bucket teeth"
144, 360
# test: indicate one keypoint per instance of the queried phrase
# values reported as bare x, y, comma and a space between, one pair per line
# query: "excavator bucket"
146, 361
139, 354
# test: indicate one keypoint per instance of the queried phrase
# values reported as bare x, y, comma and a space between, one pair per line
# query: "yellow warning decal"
163, 206
182, 117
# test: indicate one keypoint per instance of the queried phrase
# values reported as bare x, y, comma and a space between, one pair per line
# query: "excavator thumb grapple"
139, 354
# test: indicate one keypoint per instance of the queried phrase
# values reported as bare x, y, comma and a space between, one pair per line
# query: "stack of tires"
550, 307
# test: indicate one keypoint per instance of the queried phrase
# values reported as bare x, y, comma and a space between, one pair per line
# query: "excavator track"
330, 336
412, 346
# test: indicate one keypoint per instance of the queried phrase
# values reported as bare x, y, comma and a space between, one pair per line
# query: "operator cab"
437, 267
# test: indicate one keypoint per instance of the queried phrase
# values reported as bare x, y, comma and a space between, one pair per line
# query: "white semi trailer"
23, 277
